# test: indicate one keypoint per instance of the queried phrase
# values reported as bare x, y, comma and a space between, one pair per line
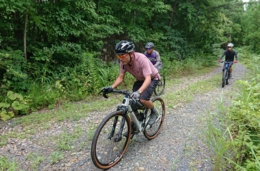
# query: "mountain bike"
113, 134
159, 89
226, 72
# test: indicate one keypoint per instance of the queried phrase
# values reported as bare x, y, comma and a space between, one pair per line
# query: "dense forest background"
54, 50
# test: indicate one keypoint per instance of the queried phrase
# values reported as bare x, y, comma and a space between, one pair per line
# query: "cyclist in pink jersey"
142, 69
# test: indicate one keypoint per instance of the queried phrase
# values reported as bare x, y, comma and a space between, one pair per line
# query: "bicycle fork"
112, 132
122, 124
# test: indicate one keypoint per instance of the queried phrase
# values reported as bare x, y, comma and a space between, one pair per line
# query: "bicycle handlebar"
226, 61
126, 92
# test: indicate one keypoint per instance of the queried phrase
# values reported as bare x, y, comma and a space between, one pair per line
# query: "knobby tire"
159, 89
154, 130
105, 152
227, 77
224, 77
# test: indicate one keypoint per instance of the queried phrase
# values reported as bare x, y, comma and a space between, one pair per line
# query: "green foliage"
35, 159
251, 22
55, 157
191, 63
5, 164
245, 114
13, 104
217, 140
236, 138
64, 141
12, 73
45, 95
60, 56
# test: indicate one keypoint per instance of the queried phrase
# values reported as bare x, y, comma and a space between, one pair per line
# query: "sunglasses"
121, 56
229, 47
148, 48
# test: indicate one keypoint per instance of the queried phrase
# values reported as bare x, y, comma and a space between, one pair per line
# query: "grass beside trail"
186, 95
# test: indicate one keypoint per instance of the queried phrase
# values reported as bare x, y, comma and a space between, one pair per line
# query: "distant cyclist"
153, 55
230, 55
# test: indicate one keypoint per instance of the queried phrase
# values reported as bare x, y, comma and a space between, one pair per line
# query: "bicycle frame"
126, 107
227, 66
140, 124
226, 72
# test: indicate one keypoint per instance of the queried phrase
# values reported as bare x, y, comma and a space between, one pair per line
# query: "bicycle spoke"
107, 148
153, 130
159, 89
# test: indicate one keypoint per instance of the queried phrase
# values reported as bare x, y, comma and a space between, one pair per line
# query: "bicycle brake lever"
105, 95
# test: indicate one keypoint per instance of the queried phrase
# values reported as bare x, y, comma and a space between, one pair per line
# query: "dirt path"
179, 146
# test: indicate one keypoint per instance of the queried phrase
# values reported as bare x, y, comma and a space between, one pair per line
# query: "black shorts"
146, 95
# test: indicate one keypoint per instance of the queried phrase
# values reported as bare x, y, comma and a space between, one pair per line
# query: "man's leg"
230, 70
154, 113
145, 100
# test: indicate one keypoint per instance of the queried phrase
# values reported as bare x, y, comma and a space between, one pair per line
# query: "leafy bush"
190, 64
14, 103
245, 117
12, 75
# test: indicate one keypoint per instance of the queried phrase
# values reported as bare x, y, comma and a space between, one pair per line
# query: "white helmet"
230, 45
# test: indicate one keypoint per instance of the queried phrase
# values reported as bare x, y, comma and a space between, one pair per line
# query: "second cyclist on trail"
153, 55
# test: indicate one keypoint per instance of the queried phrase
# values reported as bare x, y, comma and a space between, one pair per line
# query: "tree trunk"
24, 34
172, 14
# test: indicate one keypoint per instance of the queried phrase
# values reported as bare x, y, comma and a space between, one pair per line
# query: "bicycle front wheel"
152, 131
227, 77
224, 73
109, 145
159, 89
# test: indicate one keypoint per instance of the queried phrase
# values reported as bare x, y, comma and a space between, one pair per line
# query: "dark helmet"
149, 45
124, 47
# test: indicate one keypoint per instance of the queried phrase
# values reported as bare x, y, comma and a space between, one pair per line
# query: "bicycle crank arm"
150, 126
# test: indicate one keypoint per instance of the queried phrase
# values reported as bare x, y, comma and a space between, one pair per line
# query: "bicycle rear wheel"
159, 89
152, 131
106, 149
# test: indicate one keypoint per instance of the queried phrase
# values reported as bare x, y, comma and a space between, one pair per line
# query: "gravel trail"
178, 147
